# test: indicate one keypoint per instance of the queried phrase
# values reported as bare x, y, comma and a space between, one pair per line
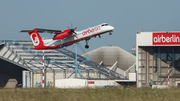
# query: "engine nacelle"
62, 35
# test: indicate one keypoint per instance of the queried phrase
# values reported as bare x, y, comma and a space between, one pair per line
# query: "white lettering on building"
162, 39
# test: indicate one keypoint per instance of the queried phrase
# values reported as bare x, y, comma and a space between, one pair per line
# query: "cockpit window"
104, 25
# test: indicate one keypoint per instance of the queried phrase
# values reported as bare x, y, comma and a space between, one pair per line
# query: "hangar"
114, 58
22, 65
158, 58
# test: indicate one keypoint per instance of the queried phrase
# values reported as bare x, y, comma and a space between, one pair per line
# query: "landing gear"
87, 46
61, 45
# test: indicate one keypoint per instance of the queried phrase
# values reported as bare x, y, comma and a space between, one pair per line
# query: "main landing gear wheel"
61, 46
86, 46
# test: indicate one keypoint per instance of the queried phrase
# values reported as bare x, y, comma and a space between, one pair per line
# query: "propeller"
72, 29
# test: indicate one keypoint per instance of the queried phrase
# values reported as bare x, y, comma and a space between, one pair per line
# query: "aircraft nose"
111, 27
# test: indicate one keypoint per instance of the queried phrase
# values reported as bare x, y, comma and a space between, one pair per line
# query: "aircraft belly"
53, 43
58, 42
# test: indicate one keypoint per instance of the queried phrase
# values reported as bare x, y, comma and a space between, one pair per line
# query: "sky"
126, 16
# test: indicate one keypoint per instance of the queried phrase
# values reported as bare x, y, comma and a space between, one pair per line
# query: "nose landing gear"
110, 33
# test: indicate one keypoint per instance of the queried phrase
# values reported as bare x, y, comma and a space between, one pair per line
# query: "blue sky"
127, 16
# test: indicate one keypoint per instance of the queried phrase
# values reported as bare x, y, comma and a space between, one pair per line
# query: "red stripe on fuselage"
67, 43
46, 47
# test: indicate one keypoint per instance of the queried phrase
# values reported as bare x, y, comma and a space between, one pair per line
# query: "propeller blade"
75, 33
68, 27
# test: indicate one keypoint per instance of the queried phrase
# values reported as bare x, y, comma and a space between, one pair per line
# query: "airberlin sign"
163, 38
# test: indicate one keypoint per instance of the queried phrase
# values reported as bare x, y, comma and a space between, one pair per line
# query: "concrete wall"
51, 77
80, 83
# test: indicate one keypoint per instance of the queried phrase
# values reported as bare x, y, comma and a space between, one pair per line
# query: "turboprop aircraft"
66, 37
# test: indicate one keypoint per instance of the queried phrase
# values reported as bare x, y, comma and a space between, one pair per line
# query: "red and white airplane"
66, 37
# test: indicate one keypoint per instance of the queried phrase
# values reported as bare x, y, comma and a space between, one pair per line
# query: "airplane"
67, 37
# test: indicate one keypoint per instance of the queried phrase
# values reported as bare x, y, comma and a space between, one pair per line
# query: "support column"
43, 71
99, 75
65, 73
147, 66
32, 79
53, 78
173, 58
26, 79
88, 74
159, 61
76, 66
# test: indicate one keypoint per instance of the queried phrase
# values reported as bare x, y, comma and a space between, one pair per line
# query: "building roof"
109, 55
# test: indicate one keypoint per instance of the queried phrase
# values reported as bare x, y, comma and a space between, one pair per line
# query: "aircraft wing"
48, 30
39, 30
25, 30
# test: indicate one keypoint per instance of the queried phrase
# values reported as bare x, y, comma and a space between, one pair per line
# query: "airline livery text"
91, 30
172, 38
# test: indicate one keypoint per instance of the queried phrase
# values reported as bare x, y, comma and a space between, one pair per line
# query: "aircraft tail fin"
38, 42
36, 39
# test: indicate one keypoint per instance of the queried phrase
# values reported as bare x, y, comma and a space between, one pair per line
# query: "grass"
90, 94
